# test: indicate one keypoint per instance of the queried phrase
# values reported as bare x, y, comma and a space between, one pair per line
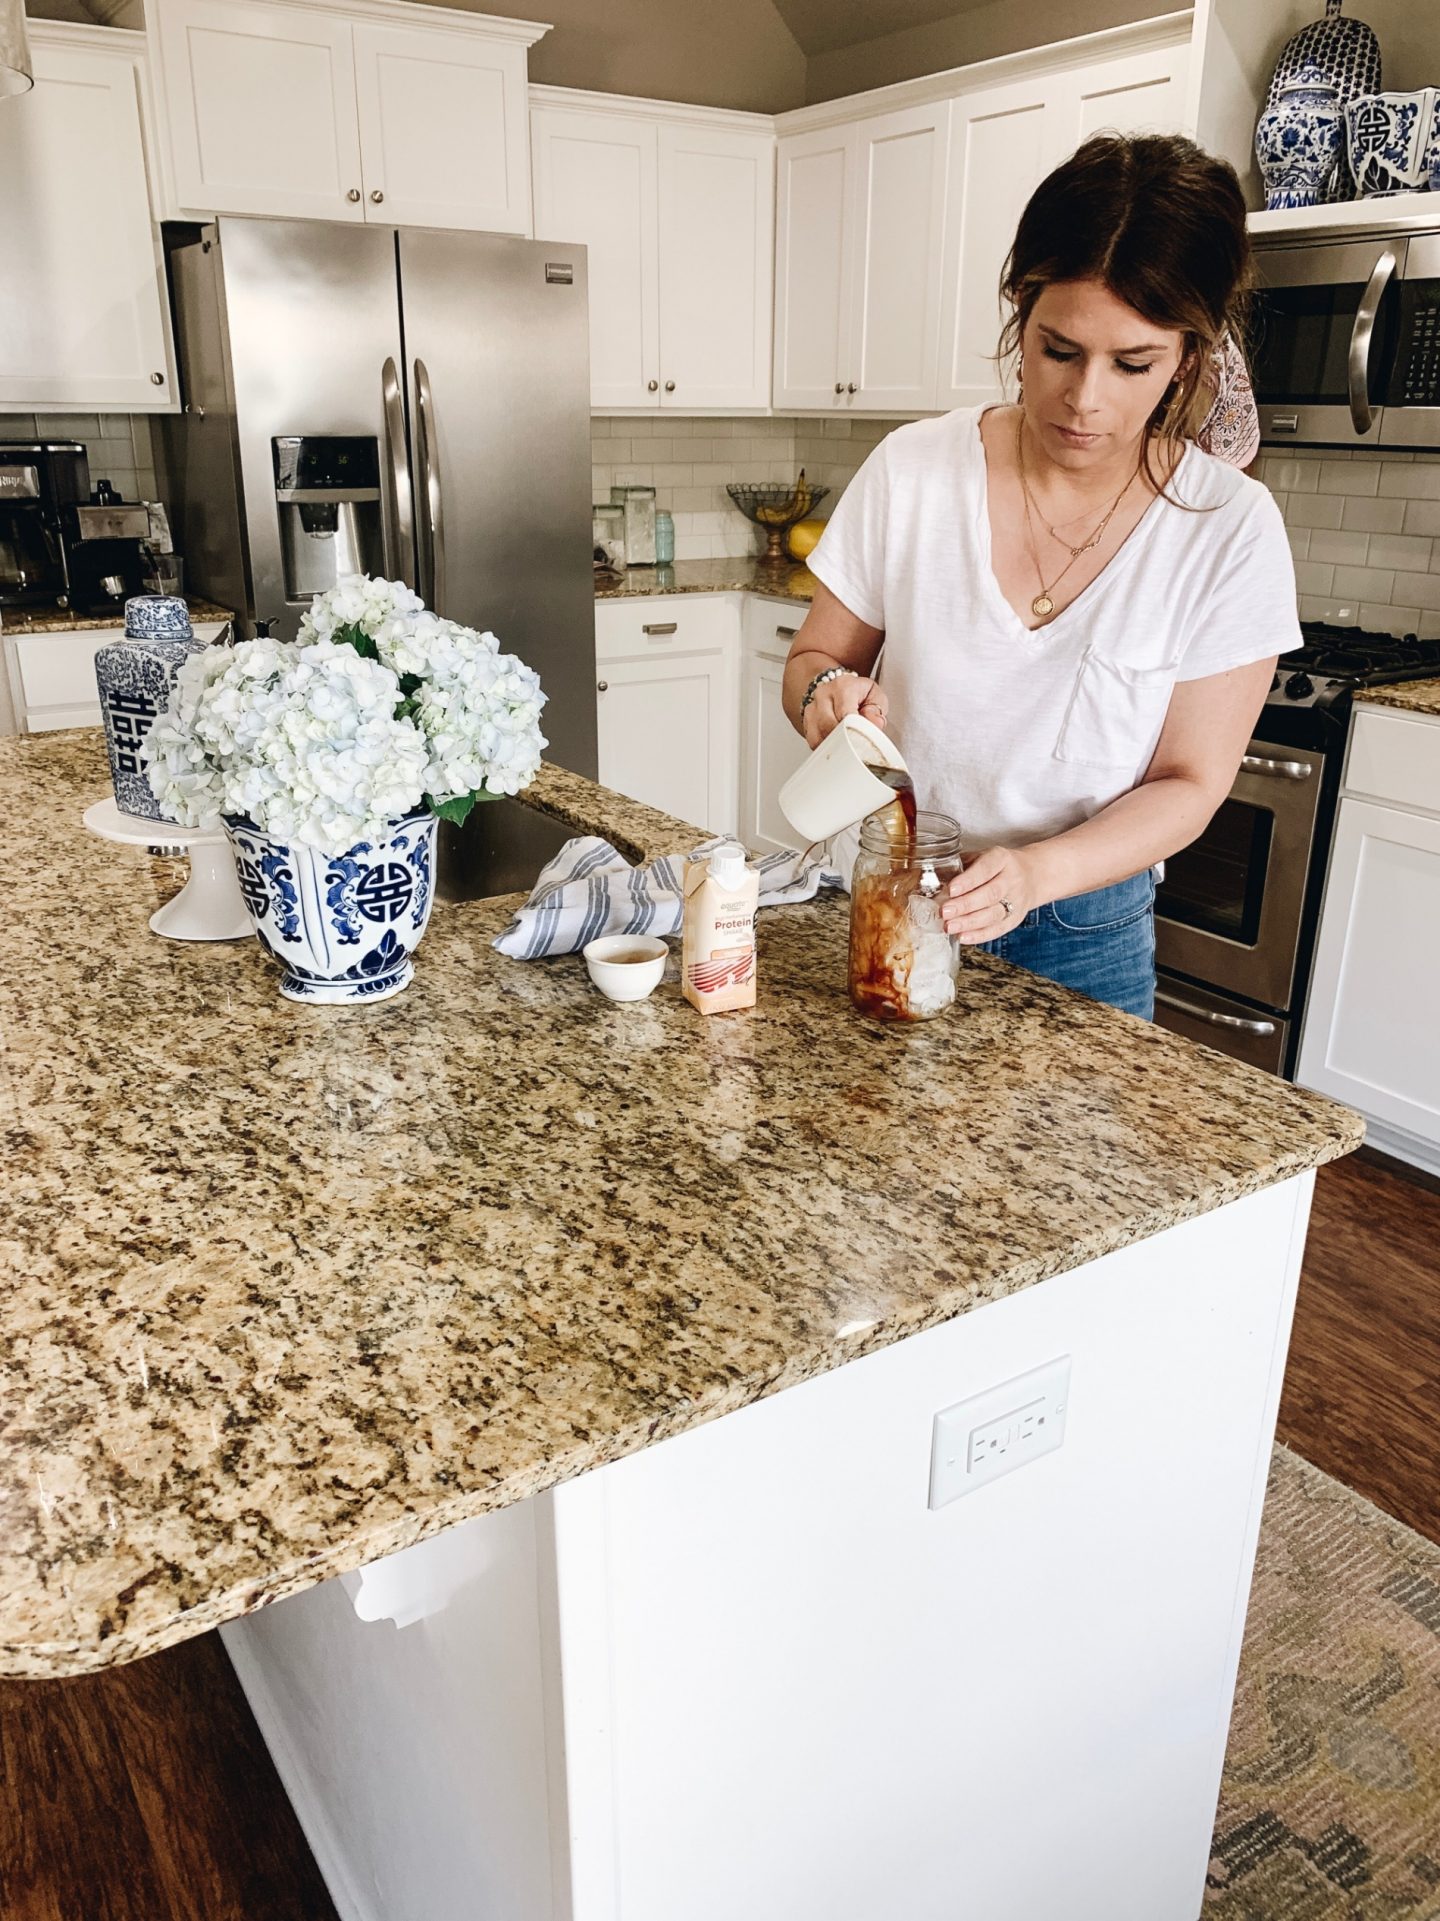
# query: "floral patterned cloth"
1231, 429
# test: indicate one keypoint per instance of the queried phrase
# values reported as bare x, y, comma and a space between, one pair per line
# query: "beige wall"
978, 33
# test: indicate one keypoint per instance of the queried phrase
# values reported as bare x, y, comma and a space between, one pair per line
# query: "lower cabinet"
770, 749
52, 676
1371, 1038
666, 701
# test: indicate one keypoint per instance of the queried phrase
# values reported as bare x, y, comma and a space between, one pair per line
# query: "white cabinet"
1370, 1036
1003, 142
52, 676
676, 212
385, 113
770, 749
84, 322
666, 701
858, 234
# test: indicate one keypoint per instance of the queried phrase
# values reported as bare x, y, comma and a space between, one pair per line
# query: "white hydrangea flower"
316, 742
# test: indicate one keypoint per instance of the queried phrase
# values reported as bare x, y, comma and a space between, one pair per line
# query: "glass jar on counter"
639, 505
607, 531
903, 964
664, 540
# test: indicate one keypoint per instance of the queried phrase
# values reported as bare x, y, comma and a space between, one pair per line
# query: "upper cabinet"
675, 210
84, 323
387, 112
892, 228
858, 236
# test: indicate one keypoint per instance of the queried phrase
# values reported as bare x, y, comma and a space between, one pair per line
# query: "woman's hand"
849, 694
992, 896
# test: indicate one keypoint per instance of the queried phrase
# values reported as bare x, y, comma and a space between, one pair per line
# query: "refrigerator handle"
432, 515
401, 498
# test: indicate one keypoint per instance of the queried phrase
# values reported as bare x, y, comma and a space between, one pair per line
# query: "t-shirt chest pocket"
1115, 712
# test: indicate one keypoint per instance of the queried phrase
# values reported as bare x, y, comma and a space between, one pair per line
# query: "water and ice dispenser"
327, 494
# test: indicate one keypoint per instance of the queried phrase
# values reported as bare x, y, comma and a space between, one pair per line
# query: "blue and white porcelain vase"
1389, 138
1300, 142
134, 674
342, 926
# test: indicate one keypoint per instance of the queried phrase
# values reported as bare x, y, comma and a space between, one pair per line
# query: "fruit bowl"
776, 506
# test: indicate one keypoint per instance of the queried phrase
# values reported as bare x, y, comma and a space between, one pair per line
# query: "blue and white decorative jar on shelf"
1300, 142
135, 673
1389, 138
342, 926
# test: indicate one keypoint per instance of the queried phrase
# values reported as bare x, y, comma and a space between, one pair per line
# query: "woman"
1080, 609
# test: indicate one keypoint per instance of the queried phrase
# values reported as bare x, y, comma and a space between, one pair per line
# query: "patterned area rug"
1330, 1807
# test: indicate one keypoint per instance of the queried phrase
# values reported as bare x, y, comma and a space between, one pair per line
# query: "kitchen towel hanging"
589, 889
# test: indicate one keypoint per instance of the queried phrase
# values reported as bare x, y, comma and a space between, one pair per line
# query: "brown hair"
1161, 224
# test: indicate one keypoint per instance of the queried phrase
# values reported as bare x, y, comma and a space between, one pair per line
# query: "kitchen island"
566, 1375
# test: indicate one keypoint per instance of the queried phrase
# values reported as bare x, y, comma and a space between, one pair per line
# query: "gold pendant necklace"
1043, 605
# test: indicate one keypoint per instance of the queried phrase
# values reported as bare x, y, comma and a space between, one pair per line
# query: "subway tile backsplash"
1365, 532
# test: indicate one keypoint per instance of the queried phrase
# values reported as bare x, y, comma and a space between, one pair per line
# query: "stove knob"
1274, 682
1299, 685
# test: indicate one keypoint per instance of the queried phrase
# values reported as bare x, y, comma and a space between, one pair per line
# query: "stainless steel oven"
1231, 910
1345, 345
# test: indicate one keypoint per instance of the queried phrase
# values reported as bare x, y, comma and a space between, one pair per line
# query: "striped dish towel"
588, 890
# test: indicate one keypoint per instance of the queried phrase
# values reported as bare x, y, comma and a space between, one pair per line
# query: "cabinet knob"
602, 686
851, 388
377, 196
652, 386
839, 386
354, 194
669, 386
157, 380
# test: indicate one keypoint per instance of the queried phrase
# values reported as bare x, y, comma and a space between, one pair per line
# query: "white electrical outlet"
992, 1433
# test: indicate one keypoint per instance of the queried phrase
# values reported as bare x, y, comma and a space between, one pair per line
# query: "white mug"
835, 787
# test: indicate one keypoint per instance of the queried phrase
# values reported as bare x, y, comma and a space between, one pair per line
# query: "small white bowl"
626, 967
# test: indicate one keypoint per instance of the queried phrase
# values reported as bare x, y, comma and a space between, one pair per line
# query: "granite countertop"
284, 1289
746, 574
53, 619
1411, 696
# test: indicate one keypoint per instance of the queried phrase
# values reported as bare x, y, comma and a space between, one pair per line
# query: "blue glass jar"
664, 539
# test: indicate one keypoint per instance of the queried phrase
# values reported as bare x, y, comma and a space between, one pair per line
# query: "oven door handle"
1362, 335
1214, 1020
1277, 769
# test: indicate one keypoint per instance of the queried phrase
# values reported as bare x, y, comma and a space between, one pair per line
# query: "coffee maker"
105, 547
40, 481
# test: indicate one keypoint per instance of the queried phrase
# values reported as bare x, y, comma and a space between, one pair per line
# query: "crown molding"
626, 106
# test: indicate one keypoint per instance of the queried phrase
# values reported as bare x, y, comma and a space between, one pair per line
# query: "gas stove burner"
1353, 655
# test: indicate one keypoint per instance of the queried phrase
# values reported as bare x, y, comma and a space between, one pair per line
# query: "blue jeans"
1101, 944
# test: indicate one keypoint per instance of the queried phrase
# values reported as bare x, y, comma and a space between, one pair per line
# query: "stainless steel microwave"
1345, 348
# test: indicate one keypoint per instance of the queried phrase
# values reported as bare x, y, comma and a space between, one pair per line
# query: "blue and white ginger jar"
1300, 142
134, 674
342, 926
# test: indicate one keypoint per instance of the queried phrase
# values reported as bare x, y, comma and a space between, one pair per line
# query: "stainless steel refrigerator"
406, 402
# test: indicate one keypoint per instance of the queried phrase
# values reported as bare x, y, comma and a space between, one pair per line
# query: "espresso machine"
106, 553
40, 482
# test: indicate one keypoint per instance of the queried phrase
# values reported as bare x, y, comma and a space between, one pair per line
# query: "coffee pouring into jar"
903, 964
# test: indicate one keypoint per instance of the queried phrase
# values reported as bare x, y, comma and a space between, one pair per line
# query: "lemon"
803, 536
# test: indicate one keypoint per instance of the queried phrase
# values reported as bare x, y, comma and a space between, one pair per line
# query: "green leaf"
357, 638
457, 807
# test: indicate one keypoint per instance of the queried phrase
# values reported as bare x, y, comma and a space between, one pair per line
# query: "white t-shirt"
1021, 734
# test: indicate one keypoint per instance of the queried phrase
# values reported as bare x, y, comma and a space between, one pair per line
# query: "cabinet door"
770, 752
717, 196
84, 321
1136, 93
1370, 1037
812, 268
999, 152
595, 183
443, 139
899, 212
261, 108
667, 735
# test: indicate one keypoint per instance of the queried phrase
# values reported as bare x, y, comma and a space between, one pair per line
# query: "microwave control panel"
1416, 381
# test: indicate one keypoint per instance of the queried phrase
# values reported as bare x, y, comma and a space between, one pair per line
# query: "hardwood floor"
147, 1794
1363, 1382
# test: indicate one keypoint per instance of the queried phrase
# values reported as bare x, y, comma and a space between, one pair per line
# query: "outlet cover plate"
990, 1434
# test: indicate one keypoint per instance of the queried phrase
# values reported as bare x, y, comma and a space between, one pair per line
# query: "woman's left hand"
992, 896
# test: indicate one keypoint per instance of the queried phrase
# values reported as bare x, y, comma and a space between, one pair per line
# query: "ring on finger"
1005, 910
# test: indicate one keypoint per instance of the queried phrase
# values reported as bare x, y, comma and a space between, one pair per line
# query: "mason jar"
903, 964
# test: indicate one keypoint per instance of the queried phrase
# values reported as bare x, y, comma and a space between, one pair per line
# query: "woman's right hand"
849, 694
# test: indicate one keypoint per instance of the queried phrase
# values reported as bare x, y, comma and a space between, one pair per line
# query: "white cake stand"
210, 905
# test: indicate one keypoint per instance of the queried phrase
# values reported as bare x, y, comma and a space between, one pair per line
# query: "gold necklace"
1043, 605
